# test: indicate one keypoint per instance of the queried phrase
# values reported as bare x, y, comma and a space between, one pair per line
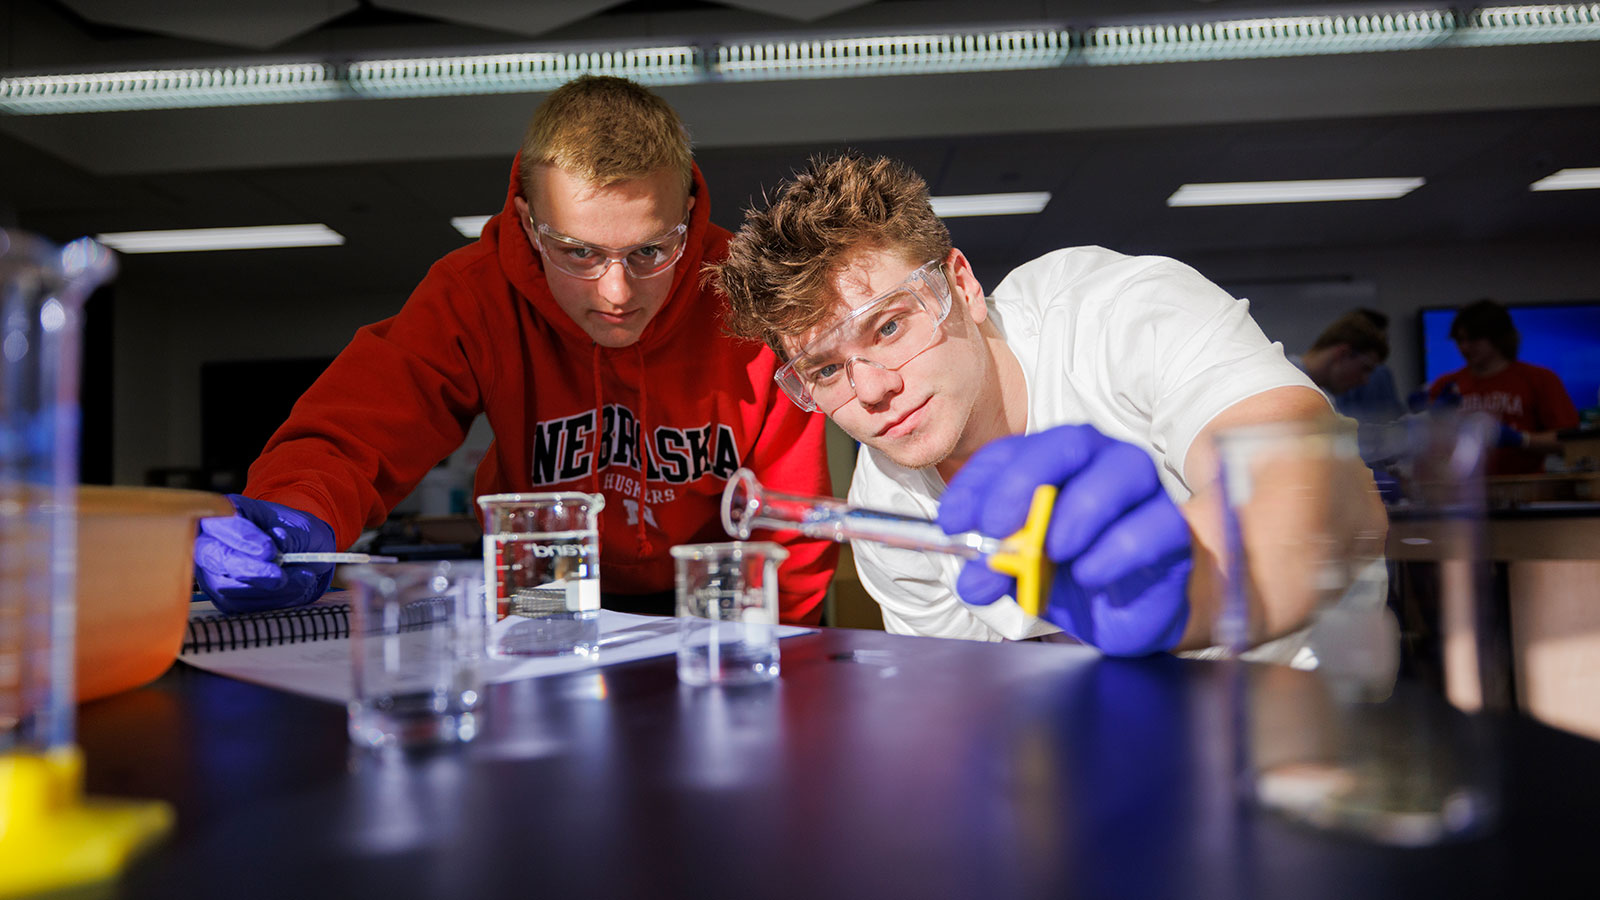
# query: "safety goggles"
885, 332
585, 260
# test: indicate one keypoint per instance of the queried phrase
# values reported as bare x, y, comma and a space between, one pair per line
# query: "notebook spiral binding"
219, 631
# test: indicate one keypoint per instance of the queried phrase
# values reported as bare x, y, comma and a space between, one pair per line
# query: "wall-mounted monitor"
1562, 336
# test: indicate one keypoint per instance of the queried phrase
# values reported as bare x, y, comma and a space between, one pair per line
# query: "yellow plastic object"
1023, 555
52, 837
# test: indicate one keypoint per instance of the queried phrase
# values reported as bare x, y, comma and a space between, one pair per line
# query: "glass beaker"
42, 291
728, 611
417, 643
541, 563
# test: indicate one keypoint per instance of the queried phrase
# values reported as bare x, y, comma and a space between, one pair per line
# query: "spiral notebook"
211, 630
306, 650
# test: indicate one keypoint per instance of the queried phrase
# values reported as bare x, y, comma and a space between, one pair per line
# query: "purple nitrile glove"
234, 556
1121, 547
1511, 437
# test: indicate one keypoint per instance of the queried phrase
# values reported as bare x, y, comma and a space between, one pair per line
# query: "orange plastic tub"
135, 574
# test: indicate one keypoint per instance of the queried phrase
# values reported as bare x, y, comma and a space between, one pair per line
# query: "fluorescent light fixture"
796, 57
902, 54
469, 226
502, 73
989, 204
1263, 37
168, 88
1249, 192
249, 238
1568, 180
1532, 24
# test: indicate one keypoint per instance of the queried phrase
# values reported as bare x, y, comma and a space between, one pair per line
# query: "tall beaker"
42, 291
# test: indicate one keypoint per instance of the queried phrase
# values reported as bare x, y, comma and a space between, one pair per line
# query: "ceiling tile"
524, 17
257, 24
799, 10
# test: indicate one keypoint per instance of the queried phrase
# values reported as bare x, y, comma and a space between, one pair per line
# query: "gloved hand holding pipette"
1121, 547
235, 557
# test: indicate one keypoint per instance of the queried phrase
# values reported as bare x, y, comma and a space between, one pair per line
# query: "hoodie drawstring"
599, 427
646, 547
642, 535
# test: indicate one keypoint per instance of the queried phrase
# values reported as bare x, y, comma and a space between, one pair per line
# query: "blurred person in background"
1378, 400
1344, 357
1529, 401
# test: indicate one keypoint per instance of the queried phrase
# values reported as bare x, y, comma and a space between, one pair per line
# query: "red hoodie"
482, 334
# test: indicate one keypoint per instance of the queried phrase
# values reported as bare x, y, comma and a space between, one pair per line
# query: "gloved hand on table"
233, 556
1121, 547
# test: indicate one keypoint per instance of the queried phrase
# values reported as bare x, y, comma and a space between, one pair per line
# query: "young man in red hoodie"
578, 325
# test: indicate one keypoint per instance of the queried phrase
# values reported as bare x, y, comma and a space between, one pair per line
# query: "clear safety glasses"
585, 260
885, 332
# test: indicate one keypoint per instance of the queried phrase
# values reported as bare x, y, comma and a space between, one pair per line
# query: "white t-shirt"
1143, 348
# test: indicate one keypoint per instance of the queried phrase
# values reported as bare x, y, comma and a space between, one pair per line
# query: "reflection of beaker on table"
1355, 751
49, 838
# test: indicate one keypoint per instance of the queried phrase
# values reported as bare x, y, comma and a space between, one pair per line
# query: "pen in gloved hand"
321, 558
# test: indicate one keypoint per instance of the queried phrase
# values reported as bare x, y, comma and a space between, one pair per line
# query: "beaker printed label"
540, 575
725, 605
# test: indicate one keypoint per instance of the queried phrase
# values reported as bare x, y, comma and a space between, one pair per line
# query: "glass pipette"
746, 506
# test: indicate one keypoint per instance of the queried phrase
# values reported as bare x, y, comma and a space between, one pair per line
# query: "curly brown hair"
779, 264
605, 129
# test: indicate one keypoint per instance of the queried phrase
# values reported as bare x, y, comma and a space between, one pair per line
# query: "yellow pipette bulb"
1022, 555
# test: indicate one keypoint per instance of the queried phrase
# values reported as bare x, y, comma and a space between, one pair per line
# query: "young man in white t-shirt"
1103, 374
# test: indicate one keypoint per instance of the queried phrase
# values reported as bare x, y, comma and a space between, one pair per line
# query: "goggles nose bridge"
850, 371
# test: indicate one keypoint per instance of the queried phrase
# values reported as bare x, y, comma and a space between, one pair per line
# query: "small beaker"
1355, 748
416, 650
728, 611
541, 561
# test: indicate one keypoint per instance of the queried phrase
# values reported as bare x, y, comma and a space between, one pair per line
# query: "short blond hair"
777, 273
605, 129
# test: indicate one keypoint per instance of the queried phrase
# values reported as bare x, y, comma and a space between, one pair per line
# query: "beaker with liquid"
541, 560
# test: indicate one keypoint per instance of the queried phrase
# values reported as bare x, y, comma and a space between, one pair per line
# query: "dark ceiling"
1110, 143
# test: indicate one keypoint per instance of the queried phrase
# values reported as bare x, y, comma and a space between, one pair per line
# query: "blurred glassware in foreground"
417, 650
49, 837
1363, 753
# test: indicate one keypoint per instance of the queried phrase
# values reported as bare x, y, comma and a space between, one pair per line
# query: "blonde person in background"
1103, 374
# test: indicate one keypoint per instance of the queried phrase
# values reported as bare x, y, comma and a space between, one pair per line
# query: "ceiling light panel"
907, 54
168, 88
1319, 191
1568, 180
990, 204
513, 72
1532, 24
1264, 37
248, 238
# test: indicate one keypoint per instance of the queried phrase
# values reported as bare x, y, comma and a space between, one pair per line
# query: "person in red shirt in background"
578, 325
1529, 400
